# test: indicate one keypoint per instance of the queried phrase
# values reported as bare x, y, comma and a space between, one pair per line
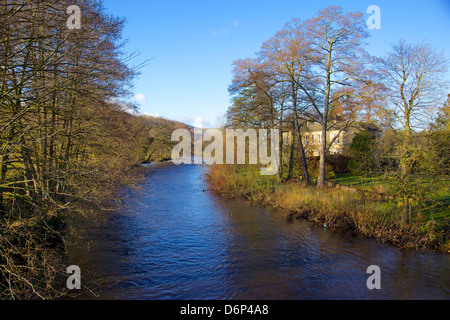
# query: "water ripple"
177, 241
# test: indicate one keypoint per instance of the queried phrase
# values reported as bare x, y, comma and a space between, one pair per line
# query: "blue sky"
193, 44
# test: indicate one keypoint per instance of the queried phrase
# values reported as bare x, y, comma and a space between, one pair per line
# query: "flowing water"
174, 240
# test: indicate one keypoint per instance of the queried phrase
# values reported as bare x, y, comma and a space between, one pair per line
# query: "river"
174, 240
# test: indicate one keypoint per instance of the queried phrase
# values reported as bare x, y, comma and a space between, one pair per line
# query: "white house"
340, 135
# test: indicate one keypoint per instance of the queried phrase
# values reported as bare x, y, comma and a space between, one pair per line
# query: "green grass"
436, 188
351, 180
433, 193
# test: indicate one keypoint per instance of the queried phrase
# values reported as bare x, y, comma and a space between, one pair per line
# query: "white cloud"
224, 31
198, 122
140, 97
154, 115
219, 32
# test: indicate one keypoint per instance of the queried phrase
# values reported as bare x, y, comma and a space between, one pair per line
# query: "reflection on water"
177, 241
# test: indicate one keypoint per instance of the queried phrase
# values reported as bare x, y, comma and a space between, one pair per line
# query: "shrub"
362, 158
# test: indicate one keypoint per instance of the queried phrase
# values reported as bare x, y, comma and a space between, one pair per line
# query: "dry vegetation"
352, 210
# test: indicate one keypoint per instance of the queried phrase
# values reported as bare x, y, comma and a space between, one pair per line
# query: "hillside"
158, 145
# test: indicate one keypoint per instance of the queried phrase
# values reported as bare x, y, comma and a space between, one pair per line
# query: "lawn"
433, 192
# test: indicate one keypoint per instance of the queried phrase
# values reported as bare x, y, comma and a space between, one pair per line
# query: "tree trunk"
323, 158
323, 153
306, 178
305, 174
291, 159
406, 212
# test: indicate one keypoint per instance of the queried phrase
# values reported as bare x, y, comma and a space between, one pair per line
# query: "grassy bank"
366, 210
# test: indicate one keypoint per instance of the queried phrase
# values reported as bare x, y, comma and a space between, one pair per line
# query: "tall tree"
413, 75
61, 133
336, 51
254, 95
287, 54
258, 97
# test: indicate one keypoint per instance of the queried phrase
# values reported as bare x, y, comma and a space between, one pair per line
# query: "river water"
174, 240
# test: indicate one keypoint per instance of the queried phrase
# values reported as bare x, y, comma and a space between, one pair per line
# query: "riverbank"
349, 210
33, 246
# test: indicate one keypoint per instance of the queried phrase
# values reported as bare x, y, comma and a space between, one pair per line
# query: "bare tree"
336, 51
413, 75
255, 96
61, 134
287, 54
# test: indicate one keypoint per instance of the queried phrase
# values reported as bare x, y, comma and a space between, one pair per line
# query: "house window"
336, 138
319, 138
